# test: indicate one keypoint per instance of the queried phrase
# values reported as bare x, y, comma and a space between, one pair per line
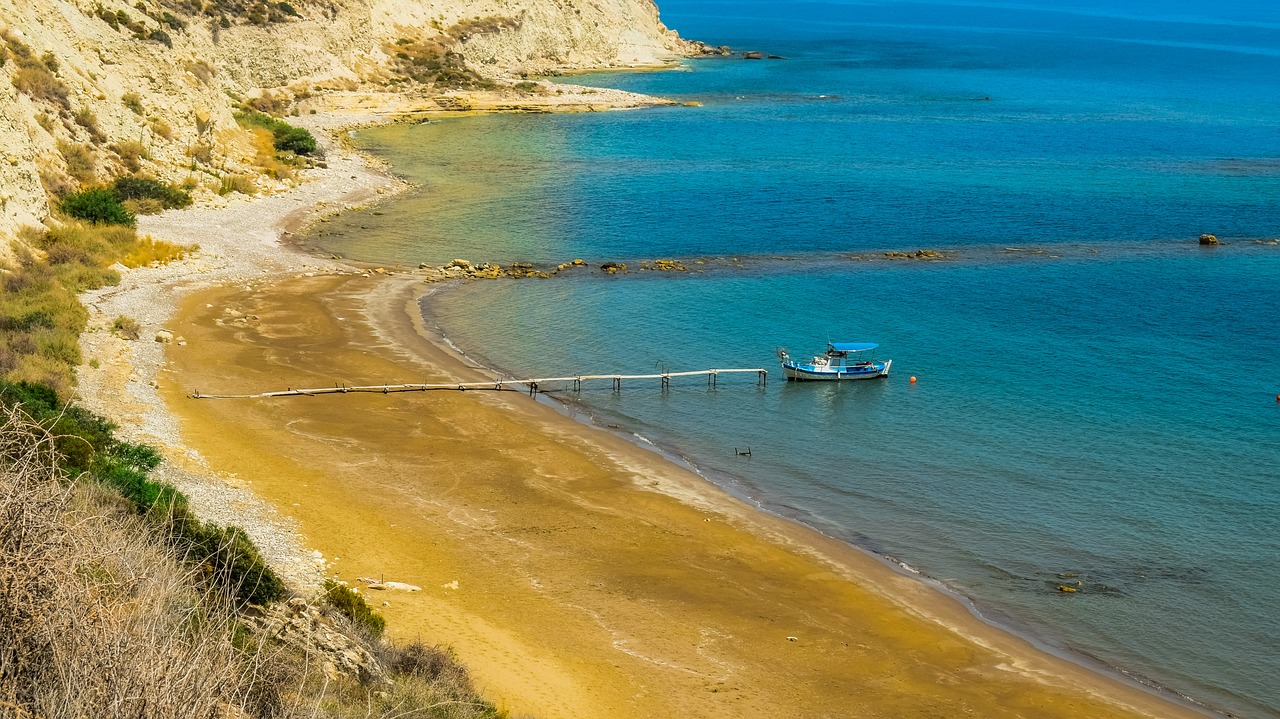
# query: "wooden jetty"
532, 386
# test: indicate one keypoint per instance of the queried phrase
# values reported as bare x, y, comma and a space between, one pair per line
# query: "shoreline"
917, 606
142, 411
582, 414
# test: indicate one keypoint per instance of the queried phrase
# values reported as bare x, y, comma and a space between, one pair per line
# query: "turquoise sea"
1096, 394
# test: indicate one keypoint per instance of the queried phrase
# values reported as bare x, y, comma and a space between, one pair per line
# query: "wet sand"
576, 574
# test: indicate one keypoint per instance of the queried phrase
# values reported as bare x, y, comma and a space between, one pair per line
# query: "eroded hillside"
93, 90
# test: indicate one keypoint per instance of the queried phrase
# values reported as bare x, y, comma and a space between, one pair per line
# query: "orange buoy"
913, 381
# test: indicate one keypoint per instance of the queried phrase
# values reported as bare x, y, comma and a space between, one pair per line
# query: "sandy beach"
576, 574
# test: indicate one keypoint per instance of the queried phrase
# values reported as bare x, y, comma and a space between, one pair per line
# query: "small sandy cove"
576, 574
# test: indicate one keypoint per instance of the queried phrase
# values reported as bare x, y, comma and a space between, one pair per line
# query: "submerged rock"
917, 255
666, 266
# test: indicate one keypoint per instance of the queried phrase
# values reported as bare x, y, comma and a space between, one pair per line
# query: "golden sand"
576, 574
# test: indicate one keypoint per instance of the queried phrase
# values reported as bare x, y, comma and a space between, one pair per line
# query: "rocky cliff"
91, 90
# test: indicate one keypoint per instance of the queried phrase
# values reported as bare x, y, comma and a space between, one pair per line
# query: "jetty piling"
533, 386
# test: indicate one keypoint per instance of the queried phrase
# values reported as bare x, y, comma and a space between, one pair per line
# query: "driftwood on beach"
532, 386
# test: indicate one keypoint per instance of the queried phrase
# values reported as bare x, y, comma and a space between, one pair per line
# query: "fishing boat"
839, 363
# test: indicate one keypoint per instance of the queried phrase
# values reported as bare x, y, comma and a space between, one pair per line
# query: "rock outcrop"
917, 255
309, 629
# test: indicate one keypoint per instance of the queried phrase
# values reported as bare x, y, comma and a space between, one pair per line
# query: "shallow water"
1096, 394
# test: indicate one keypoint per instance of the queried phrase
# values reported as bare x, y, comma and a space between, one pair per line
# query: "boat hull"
810, 373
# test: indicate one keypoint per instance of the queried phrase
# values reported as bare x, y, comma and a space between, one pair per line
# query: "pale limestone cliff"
163, 106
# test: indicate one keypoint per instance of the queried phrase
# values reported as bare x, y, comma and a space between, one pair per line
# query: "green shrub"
227, 555
173, 21
99, 206
88, 447
142, 188
296, 140
107, 16
161, 37
287, 138
354, 607
77, 432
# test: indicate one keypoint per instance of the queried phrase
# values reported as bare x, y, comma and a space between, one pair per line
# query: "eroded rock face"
298, 624
1208, 240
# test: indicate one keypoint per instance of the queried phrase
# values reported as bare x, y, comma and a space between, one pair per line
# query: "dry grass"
88, 119
40, 315
150, 252
127, 327
99, 619
132, 101
95, 619
162, 129
265, 155
243, 184
131, 154
434, 62
202, 70
35, 76
80, 161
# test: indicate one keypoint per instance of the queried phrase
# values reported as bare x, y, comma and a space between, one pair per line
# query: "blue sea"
1097, 394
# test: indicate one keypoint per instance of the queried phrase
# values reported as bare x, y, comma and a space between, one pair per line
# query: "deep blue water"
1100, 400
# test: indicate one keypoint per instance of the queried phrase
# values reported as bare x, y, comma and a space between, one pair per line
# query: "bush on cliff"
287, 138
353, 606
99, 206
88, 449
145, 188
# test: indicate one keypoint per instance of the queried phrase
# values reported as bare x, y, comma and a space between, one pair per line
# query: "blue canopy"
852, 346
